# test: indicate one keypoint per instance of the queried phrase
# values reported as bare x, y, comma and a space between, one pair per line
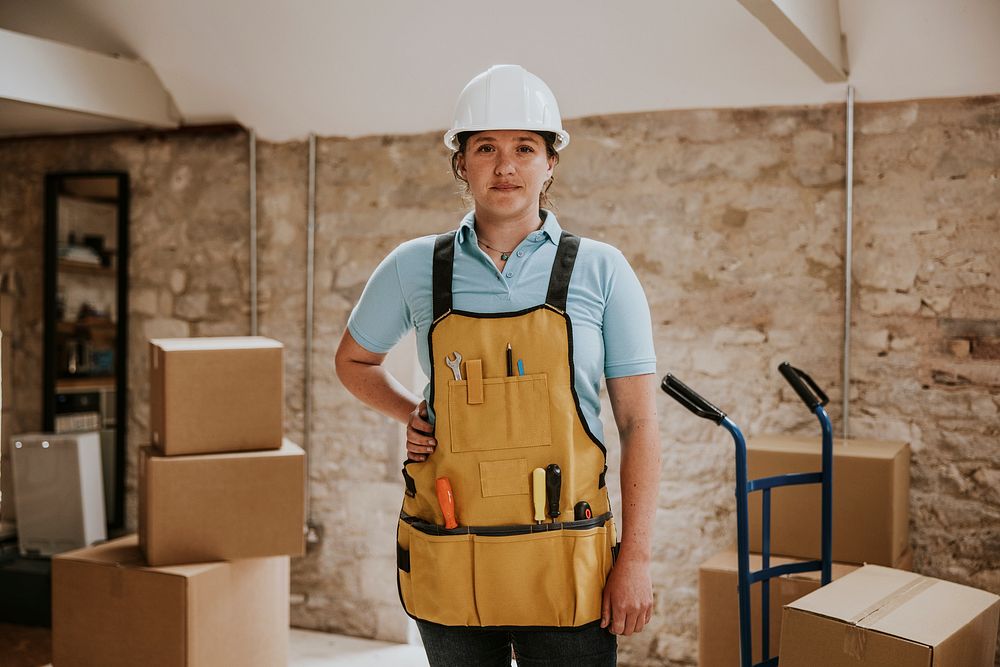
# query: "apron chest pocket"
512, 412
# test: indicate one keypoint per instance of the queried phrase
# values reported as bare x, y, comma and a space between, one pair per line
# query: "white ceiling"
339, 67
20, 118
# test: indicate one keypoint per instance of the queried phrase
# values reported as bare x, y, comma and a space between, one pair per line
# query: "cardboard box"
215, 394
110, 609
221, 506
718, 606
877, 616
871, 496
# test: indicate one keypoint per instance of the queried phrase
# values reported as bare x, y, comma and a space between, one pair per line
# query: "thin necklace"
504, 254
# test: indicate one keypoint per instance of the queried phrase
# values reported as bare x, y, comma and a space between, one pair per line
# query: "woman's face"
506, 170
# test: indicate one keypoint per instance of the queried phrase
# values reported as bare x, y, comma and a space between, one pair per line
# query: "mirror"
86, 317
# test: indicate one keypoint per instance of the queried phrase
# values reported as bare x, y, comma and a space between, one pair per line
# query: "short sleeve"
381, 317
628, 332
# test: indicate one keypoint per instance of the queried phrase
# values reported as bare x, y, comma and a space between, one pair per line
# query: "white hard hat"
506, 97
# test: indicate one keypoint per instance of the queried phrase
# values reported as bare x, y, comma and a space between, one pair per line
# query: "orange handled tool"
446, 498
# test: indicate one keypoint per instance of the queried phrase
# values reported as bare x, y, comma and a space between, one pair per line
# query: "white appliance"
59, 491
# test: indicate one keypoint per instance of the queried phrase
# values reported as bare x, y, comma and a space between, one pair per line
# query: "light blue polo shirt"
612, 334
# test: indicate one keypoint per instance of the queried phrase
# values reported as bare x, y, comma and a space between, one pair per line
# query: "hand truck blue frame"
815, 399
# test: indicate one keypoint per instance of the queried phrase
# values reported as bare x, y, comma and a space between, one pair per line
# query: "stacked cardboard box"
111, 609
871, 498
871, 485
221, 509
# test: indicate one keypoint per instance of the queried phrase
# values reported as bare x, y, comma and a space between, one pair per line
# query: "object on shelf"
78, 421
78, 253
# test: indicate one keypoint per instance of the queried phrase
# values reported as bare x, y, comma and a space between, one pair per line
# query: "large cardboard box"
871, 495
718, 604
221, 506
110, 610
880, 617
215, 394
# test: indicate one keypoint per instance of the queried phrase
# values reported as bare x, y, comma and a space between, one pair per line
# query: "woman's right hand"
420, 442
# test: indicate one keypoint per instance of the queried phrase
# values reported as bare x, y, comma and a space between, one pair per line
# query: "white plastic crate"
59, 491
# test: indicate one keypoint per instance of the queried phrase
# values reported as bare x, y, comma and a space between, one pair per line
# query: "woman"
506, 534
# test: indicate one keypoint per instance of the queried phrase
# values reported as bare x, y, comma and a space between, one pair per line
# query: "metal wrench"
455, 364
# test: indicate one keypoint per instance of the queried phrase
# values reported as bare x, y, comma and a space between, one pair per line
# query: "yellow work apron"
499, 567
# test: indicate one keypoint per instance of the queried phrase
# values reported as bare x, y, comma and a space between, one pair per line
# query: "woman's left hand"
628, 597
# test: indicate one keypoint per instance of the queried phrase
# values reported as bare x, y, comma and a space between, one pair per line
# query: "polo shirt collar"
550, 230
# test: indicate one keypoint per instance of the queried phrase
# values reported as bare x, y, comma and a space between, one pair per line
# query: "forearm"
640, 481
375, 387
628, 596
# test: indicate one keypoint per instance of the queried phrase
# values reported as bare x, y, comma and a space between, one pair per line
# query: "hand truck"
815, 399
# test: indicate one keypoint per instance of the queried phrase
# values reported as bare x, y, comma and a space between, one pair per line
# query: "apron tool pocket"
514, 576
513, 412
552, 578
440, 581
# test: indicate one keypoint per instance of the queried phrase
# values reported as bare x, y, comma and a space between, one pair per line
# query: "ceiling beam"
810, 29
47, 73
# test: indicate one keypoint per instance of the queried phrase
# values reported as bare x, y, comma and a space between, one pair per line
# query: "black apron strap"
444, 254
562, 269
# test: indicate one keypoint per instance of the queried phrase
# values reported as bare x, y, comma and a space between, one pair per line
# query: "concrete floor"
308, 648
22, 646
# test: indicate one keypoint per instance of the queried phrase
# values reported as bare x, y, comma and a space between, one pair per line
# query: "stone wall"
733, 220
927, 319
189, 249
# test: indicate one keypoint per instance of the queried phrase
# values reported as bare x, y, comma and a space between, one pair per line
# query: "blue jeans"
591, 646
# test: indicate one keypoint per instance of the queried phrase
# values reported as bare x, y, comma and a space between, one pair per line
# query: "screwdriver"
538, 493
446, 498
553, 487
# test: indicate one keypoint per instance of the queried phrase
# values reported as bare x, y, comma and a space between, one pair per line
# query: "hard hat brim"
451, 136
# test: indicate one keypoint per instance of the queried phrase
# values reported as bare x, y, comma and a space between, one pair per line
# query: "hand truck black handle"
795, 378
690, 399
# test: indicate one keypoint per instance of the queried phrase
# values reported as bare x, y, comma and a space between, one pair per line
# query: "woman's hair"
550, 150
